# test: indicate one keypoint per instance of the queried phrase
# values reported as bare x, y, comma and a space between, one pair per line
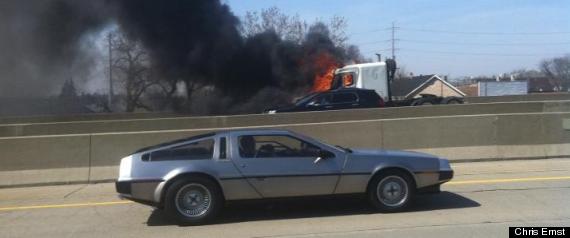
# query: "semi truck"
379, 76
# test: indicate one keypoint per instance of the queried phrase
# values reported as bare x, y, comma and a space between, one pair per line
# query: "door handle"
242, 165
317, 160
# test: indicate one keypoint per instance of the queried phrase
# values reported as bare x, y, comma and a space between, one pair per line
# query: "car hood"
390, 153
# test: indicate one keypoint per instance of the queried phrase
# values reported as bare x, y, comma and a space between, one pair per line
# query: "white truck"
378, 76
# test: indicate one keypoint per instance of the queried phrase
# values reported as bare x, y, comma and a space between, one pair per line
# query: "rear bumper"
141, 191
123, 187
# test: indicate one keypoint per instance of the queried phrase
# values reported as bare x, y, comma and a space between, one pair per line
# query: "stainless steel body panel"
271, 177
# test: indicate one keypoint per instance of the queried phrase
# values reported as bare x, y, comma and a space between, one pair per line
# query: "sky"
446, 37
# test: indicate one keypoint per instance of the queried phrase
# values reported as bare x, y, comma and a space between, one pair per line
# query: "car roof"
210, 134
349, 90
255, 130
172, 142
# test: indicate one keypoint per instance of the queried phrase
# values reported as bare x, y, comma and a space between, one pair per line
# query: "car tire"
193, 201
391, 191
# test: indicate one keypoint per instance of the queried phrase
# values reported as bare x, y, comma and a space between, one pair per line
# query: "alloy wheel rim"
392, 191
193, 200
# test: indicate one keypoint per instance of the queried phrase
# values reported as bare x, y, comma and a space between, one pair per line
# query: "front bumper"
445, 175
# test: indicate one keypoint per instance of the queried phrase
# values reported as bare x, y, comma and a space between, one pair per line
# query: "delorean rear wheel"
193, 201
391, 191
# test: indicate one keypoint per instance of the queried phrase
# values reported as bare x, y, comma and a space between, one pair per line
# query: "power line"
373, 42
404, 50
469, 43
474, 53
370, 31
464, 32
486, 44
486, 33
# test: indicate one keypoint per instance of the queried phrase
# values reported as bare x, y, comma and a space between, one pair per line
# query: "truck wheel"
391, 192
193, 201
452, 101
422, 102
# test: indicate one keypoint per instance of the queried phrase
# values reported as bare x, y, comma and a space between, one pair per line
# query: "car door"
344, 100
319, 103
282, 165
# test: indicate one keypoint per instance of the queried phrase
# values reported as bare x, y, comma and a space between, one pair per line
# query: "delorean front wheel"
193, 201
391, 191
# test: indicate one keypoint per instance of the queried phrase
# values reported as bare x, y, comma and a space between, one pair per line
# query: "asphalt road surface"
483, 200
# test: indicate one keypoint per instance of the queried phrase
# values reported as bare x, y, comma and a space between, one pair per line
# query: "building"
414, 87
502, 88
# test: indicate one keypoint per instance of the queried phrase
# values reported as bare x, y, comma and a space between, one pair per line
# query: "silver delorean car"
192, 178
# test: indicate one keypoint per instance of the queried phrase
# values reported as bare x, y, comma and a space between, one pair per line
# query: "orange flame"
325, 65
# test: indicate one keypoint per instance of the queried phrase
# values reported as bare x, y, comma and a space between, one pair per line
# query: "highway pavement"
483, 200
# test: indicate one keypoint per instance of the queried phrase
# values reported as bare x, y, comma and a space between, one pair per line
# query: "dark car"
345, 98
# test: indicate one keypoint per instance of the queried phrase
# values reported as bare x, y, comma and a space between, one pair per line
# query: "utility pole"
110, 95
394, 28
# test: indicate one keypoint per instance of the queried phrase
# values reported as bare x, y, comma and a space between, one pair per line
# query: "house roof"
402, 87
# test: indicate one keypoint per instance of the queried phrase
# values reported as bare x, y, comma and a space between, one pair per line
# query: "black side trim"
295, 175
425, 172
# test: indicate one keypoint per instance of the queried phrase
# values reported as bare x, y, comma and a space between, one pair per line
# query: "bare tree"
290, 27
131, 68
558, 69
337, 26
287, 27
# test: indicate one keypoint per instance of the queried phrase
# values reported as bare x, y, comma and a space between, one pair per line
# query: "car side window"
202, 149
323, 99
344, 98
275, 146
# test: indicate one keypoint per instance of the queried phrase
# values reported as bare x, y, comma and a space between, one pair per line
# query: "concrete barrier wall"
520, 98
82, 127
45, 159
459, 138
85, 117
152, 115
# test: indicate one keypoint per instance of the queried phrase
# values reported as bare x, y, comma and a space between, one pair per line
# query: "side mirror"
325, 154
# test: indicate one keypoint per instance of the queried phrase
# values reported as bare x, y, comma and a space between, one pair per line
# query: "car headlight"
125, 167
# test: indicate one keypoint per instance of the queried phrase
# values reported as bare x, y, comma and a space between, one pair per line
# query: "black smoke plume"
191, 41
